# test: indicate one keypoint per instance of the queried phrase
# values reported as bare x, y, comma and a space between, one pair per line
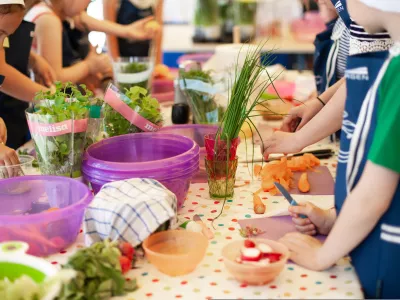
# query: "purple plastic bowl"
167, 158
23, 217
196, 132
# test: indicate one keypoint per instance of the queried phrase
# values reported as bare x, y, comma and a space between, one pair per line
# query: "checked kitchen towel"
129, 210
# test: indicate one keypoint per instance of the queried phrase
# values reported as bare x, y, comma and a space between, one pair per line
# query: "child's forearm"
110, 14
326, 122
92, 24
18, 85
331, 91
361, 211
75, 73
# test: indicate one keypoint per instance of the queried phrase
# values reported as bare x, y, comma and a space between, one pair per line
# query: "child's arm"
326, 122
361, 211
49, 42
110, 14
17, 84
309, 109
159, 37
134, 31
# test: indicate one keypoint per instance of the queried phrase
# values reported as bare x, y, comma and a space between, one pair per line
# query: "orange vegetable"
52, 209
259, 206
267, 185
257, 170
304, 185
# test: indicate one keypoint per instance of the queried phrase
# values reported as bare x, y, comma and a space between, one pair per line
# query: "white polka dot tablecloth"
211, 280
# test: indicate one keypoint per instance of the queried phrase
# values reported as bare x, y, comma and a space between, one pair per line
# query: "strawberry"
273, 257
127, 250
125, 263
249, 244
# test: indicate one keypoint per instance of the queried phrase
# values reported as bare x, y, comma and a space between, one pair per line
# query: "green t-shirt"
385, 148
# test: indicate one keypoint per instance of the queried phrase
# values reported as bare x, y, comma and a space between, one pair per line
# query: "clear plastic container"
24, 168
44, 211
133, 71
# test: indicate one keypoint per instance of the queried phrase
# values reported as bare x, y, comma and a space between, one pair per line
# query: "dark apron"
341, 8
75, 45
13, 110
375, 267
128, 14
323, 44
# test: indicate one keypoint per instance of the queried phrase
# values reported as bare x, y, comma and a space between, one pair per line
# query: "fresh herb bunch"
207, 13
99, 274
133, 68
61, 155
204, 107
245, 12
138, 99
246, 93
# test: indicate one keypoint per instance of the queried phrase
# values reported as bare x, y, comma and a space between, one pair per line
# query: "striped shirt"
363, 42
344, 46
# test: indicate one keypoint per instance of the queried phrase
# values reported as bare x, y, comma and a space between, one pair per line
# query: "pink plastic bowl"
163, 90
23, 216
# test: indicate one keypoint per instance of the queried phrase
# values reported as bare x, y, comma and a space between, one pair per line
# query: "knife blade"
288, 197
321, 154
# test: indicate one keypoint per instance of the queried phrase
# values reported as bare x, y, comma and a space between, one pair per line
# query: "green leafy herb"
245, 12
138, 99
204, 108
207, 13
61, 155
99, 274
133, 68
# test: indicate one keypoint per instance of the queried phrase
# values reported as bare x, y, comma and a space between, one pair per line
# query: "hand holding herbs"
61, 154
136, 98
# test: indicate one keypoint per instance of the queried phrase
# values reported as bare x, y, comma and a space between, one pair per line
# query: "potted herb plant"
133, 71
198, 87
245, 16
207, 20
132, 112
58, 124
245, 95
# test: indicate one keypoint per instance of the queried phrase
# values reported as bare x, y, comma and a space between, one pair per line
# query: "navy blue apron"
72, 45
13, 110
76, 45
323, 44
374, 267
128, 14
341, 8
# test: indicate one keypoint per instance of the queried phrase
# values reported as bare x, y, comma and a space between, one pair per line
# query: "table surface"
211, 279
178, 38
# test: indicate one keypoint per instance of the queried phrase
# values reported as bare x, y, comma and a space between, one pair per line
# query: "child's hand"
3, 131
280, 142
8, 157
44, 73
318, 221
99, 63
305, 250
139, 31
303, 114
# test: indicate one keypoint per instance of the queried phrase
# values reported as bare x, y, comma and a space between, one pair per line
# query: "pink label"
112, 98
60, 128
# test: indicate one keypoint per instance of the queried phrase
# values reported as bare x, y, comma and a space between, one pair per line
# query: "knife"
206, 231
321, 154
288, 197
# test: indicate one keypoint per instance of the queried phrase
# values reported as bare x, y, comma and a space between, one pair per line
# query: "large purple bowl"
24, 202
170, 159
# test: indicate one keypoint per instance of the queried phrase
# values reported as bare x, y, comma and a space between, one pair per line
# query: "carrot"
259, 207
303, 184
257, 170
267, 185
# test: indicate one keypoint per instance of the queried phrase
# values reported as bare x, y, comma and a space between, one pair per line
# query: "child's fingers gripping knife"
303, 225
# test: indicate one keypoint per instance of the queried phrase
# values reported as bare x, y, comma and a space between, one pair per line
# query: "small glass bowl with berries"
255, 261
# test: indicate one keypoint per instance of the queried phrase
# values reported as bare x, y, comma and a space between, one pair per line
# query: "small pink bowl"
251, 274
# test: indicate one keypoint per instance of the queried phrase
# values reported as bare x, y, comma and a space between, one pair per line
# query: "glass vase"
221, 177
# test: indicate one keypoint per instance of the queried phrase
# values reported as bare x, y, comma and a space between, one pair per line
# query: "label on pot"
56, 129
113, 98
